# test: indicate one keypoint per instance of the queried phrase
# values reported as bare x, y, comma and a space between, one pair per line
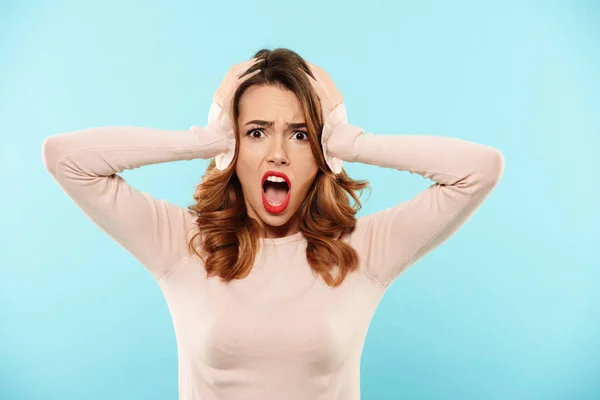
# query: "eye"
298, 136
256, 134
253, 133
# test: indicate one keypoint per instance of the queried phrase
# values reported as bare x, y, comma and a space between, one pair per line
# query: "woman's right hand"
220, 116
328, 94
223, 97
332, 109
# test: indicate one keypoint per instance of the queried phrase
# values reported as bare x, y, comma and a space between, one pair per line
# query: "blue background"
506, 309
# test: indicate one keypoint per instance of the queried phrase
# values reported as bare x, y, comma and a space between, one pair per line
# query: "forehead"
270, 103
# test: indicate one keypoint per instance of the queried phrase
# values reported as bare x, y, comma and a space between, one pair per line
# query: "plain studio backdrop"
505, 309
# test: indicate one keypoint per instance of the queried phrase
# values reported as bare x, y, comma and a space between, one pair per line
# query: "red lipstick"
277, 174
280, 208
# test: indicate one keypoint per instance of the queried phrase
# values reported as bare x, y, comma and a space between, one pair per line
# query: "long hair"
230, 238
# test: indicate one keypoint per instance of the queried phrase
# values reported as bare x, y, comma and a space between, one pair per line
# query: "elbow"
493, 167
50, 154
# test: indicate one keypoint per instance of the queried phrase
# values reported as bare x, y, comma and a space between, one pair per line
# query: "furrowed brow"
268, 124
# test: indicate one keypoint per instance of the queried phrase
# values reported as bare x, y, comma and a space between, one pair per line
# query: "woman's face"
273, 139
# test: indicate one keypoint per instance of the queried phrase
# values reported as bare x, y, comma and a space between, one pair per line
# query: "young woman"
270, 278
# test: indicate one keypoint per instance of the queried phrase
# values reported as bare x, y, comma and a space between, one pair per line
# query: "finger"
322, 92
244, 63
235, 71
236, 84
231, 89
321, 72
242, 67
247, 76
316, 86
322, 82
325, 79
326, 104
247, 73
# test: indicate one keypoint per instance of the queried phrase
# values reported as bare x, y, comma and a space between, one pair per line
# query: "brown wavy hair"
230, 238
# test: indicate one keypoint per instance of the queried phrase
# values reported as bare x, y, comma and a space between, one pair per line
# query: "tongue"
275, 193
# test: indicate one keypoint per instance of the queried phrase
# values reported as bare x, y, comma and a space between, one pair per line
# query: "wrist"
219, 122
221, 127
343, 142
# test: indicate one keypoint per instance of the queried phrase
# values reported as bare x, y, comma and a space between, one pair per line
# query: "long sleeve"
464, 174
86, 164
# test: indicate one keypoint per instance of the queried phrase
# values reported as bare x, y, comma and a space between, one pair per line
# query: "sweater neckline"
282, 240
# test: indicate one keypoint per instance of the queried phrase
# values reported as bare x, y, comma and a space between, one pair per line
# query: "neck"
273, 232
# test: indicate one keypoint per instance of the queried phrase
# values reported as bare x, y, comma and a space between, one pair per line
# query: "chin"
275, 219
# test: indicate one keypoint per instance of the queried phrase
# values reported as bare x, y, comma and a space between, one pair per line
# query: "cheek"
250, 154
243, 173
304, 157
307, 177
244, 166
301, 191
245, 178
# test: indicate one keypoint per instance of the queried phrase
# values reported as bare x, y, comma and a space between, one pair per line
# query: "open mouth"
276, 191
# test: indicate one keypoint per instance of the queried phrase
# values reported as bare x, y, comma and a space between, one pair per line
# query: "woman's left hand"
329, 96
333, 110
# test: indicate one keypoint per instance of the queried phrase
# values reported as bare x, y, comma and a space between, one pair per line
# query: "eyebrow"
269, 124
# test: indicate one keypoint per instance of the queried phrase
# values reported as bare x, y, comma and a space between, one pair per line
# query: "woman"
270, 279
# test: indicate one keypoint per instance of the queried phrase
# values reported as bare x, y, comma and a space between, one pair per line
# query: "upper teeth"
275, 179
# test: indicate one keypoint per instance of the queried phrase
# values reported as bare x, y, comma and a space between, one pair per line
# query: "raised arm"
86, 164
464, 173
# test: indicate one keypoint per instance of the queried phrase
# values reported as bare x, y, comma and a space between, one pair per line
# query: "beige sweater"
281, 333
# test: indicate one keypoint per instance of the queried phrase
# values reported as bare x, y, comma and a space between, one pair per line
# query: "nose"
277, 153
